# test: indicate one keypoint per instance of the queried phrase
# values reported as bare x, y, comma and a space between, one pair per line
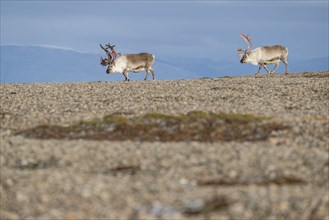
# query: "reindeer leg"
125, 73
147, 73
276, 66
286, 63
260, 67
268, 71
152, 71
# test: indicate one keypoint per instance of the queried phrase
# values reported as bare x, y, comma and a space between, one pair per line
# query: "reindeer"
263, 55
128, 63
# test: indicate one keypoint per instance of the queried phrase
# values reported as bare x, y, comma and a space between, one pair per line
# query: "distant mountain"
205, 67
309, 65
21, 64
39, 64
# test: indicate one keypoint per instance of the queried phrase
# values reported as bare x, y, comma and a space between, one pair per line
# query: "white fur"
120, 65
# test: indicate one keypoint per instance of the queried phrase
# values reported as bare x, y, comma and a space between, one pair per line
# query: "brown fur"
135, 58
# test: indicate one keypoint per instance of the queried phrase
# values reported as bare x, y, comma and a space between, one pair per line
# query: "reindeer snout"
241, 61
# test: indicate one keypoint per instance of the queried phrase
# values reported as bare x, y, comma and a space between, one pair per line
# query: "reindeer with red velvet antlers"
263, 55
127, 63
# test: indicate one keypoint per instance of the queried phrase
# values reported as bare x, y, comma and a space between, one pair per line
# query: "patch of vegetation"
156, 116
316, 74
5, 114
194, 126
123, 169
41, 164
210, 205
115, 119
280, 180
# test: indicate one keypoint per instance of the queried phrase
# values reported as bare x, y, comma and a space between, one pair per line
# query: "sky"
190, 29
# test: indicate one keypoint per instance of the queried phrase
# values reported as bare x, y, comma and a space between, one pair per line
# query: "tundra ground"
223, 148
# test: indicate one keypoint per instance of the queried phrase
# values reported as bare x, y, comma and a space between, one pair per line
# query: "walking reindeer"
263, 55
127, 63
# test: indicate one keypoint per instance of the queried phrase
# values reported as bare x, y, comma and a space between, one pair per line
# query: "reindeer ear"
240, 55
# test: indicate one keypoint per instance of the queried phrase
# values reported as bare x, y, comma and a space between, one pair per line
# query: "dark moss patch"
194, 126
5, 114
280, 180
216, 203
316, 74
124, 169
40, 164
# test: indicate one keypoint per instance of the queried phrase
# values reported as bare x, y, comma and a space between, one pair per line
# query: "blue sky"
191, 29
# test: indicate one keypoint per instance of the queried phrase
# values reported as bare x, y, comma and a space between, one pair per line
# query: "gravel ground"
282, 177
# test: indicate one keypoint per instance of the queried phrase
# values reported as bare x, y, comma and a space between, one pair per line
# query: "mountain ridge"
37, 63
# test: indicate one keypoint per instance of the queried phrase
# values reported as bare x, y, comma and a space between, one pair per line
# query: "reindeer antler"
109, 54
247, 39
109, 46
241, 50
112, 50
105, 49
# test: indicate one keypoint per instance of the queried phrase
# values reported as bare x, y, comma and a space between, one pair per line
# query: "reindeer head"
110, 57
104, 61
107, 62
245, 53
110, 66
